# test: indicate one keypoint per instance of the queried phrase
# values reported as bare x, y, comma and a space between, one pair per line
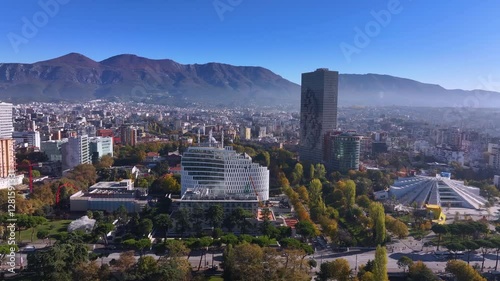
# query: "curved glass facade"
223, 172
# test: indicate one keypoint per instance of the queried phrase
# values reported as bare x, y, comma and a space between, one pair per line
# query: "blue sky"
451, 43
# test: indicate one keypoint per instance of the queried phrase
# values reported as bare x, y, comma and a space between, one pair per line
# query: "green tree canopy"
380, 264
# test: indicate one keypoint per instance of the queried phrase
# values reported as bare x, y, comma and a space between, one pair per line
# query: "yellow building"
438, 215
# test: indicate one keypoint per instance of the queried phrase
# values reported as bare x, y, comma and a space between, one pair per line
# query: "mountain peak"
75, 59
131, 60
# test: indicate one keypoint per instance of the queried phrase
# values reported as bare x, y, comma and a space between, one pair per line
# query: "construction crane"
30, 171
255, 190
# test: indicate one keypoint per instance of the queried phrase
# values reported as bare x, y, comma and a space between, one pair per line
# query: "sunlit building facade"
216, 171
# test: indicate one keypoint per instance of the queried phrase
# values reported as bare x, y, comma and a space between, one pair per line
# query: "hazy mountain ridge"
384, 90
74, 77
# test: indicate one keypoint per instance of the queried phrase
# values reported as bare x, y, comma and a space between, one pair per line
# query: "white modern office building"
100, 146
75, 152
222, 172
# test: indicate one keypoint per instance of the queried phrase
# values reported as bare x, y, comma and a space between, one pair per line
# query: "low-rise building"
31, 138
52, 149
108, 197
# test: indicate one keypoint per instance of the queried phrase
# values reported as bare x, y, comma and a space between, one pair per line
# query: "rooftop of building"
126, 183
440, 190
109, 192
205, 194
261, 213
99, 194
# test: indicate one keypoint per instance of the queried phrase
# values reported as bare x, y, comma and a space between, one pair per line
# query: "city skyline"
385, 37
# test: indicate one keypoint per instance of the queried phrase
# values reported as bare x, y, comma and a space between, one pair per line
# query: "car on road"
29, 249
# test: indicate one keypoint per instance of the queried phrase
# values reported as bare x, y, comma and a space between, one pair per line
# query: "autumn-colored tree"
380, 264
27, 206
337, 269
106, 161
45, 194
250, 262
329, 227
282, 180
462, 271
86, 271
396, 226
302, 213
304, 194
418, 271
166, 184
126, 260
83, 173
244, 262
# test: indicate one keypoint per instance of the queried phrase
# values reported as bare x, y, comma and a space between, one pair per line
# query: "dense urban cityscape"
166, 182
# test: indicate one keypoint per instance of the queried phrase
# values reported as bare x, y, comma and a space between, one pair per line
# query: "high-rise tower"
318, 112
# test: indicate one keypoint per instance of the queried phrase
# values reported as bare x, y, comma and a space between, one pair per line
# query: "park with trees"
339, 207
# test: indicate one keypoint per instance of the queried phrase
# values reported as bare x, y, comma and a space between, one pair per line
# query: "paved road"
359, 257
356, 257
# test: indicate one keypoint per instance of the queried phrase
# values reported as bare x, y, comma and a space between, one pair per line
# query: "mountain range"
75, 77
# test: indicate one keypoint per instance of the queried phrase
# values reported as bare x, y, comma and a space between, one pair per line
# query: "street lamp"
356, 267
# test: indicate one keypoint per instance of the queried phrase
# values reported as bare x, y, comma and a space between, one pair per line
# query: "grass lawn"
53, 227
215, 278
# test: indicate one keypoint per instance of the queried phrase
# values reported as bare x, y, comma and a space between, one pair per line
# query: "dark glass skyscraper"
318, 113
345, 149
